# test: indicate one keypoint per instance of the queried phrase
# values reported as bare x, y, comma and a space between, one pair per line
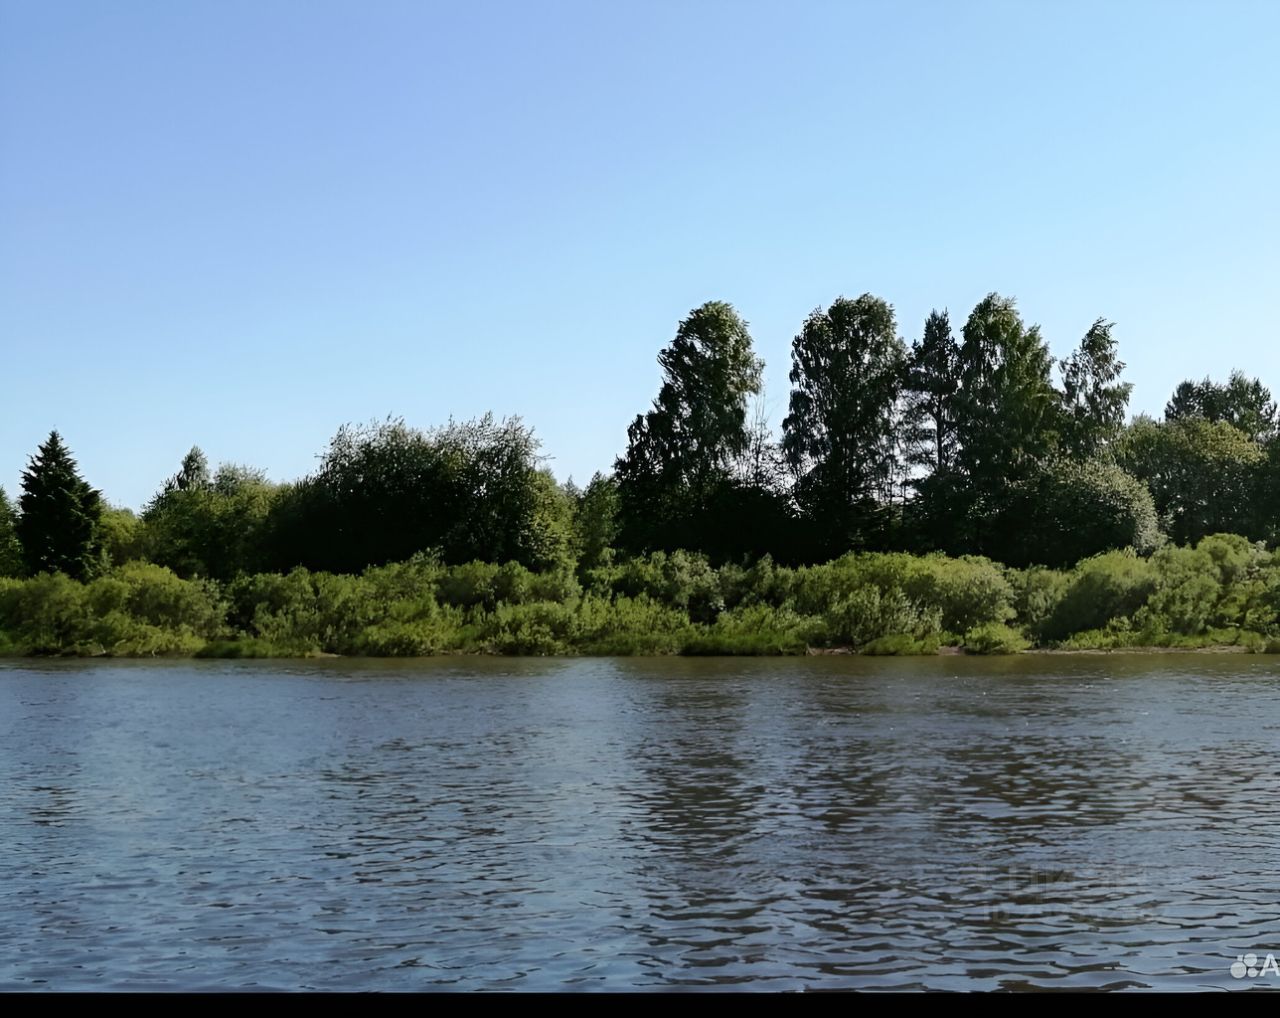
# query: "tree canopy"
840, 434
681, 453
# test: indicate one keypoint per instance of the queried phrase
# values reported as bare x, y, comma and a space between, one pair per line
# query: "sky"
243, 223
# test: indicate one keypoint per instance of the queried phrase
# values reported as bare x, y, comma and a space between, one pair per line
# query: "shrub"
1069, 511
994, 638
469, 585
1100, 589
1037, 592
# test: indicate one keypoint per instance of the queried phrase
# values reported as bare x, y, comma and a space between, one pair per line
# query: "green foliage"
1007, 413
595, 522
45, 615
866, 613
1201, 474
10, 547
385, 492
1093, 397
539, 628
681, 453
1037, 593
903, 645
682, 580
847, 368
1099, 589
1244, 403
211, 526
931, 387
58, 527
122, 537
156, 596
1069, 511
140, 610
756, 629
1223, 591
631, 625
469, 585
994, 638
871, 595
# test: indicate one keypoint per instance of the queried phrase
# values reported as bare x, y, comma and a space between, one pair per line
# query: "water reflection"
1100, 823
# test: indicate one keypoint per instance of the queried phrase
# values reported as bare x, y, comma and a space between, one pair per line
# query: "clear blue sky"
241, 223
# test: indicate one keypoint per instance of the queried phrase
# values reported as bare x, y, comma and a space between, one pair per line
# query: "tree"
58, 527
595, 522
931, 387
121, 536
1201, 474
840, 434
1007, 418
200, 524
193, 475
682, 451
385, 491
1242, 402
10, 547
1068, 511
1094, 399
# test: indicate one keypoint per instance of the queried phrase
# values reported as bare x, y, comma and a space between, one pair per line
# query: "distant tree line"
979, 443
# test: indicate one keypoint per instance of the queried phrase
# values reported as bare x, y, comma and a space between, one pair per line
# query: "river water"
1106, 822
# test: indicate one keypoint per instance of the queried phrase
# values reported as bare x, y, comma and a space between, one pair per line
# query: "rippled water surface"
1096, 822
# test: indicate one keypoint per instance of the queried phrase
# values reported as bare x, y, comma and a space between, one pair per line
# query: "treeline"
976, 444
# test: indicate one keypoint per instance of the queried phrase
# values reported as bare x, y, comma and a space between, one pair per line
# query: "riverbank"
255, 650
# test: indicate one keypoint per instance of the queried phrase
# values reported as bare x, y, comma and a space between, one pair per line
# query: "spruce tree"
58, 527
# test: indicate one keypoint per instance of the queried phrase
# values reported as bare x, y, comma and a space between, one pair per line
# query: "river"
1105, 822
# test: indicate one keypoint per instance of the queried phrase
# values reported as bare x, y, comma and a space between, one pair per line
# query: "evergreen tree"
681, 453
1094, 399
840, 435
58, 527
193, 475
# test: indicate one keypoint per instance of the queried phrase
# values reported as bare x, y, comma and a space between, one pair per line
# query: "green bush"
469, 585
1037, 592
541, 628
49, 614
756, 629
1224, 591
994, 638
630, 625
1100, 589
1069, 511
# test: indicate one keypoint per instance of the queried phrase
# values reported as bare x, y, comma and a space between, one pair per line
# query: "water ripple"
1100, 824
